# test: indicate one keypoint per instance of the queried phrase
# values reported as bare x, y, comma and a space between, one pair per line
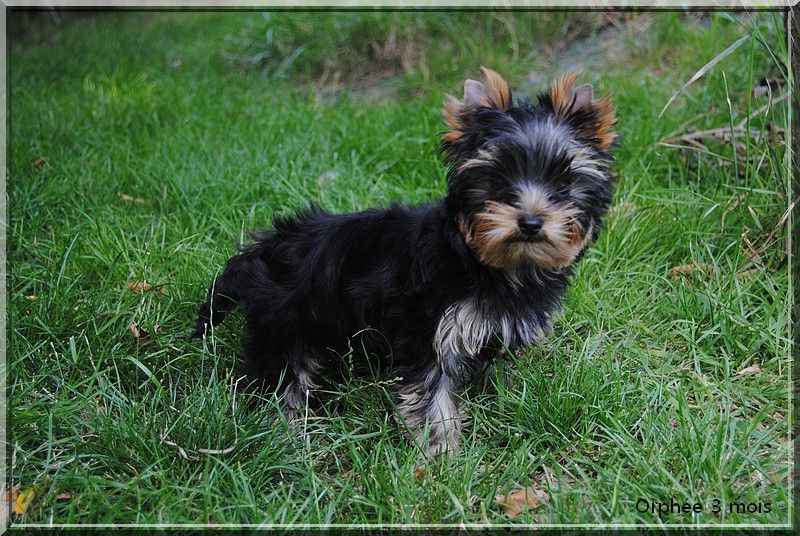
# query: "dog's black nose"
530, 226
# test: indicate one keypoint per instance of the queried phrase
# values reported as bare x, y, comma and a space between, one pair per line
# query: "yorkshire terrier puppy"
434, 292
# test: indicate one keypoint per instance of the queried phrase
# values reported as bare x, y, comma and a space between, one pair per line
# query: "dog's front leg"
429, 400
430, 407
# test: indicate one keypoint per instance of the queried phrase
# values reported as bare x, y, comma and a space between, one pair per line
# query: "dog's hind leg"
292, 367
263, 354
305, 366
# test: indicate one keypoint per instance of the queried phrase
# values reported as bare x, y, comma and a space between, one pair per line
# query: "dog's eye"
504, 194
563, 185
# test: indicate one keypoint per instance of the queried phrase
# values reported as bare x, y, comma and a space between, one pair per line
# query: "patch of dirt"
377, 76
588, 44
615, 40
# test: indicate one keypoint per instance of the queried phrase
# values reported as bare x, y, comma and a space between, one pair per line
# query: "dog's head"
528, 183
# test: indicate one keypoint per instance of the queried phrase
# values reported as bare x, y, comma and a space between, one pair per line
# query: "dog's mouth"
555, 252
532, 239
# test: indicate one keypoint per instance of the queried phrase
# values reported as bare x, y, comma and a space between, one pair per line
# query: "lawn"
144, 145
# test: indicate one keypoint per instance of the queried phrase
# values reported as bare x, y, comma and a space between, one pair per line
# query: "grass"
166, 135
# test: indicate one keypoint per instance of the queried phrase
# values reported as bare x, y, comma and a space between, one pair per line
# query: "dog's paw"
442, 448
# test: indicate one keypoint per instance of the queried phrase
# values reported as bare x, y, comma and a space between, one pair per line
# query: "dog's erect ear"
493, 92
590, 119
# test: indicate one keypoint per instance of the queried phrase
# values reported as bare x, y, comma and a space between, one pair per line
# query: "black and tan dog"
448, 285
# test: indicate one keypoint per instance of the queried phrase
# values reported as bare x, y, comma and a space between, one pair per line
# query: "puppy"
437, 291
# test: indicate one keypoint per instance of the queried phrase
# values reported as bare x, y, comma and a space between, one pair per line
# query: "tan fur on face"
567, 99
494, 94
495, 236
492, 235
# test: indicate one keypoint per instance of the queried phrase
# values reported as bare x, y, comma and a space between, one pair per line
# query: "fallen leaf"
687, 269
138, 286
140, 335
23, 501
419, 473
63, 496
38, 163
522, 499
162, 289
32, 297
131, 199
752, 369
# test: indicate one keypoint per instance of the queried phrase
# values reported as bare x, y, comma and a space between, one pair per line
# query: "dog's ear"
590, 119
493, 92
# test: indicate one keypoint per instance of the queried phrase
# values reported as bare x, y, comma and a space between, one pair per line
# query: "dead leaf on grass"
138, 286
752, 369
24, 500
131, 199
140, 335
38, 163
522, 499
687, 269
419, 473
32, 297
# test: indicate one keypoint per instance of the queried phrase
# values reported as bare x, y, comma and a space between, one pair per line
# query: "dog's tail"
223, 296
